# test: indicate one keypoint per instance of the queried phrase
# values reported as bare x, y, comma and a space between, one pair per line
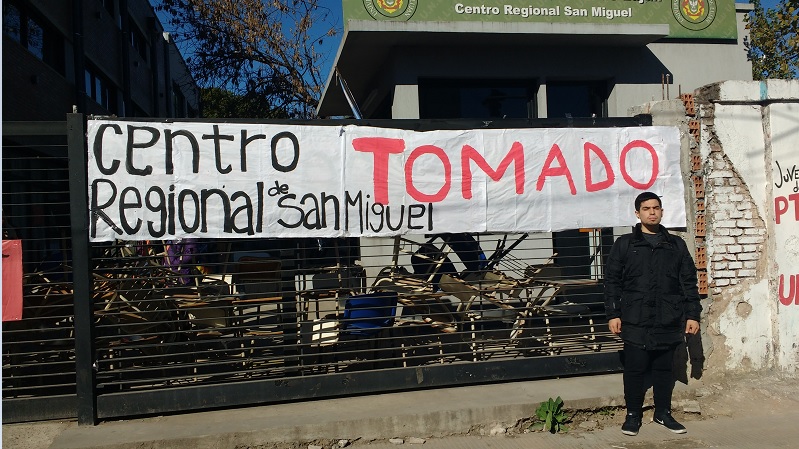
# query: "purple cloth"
181, 257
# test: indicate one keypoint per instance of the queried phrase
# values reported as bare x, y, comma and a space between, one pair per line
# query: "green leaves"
552, 416
772, 45
221, 103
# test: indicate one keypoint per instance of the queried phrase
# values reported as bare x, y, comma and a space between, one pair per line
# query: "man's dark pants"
638, 363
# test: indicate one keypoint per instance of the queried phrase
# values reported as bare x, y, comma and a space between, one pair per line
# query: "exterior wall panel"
52, 94
101, 41
31, 89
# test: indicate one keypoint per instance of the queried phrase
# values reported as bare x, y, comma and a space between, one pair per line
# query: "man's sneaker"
631, 424
666, 420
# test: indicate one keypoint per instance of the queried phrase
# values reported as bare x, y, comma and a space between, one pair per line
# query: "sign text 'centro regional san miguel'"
152, 180
696, 19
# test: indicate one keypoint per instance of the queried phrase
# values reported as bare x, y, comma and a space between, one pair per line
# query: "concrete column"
541, 99
406, 101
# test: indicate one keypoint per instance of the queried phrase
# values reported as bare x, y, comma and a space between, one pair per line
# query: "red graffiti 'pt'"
781, 206
793, 295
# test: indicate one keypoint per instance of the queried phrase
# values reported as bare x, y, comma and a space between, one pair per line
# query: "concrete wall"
745, 184
634, 73
695, 64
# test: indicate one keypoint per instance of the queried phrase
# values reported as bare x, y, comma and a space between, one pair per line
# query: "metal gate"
39, 349
172, 326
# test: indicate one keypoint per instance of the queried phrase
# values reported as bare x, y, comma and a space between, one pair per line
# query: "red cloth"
12, 280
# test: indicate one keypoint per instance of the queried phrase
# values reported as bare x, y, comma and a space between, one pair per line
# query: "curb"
427, 414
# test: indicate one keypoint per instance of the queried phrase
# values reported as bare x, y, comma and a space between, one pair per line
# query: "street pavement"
752, 411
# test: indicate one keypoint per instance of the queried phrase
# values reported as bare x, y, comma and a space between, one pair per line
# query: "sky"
330, 46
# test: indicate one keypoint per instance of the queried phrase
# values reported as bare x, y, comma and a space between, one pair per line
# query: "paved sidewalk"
747, 412
757, 432
435, 412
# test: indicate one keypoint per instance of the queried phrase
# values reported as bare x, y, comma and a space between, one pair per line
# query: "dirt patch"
736, 395
741, 395
38, 435
323, 443
291, 445
589, 420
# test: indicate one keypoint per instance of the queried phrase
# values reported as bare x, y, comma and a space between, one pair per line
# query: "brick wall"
729, 233
737, 235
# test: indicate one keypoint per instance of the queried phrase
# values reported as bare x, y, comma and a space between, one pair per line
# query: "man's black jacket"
652, 289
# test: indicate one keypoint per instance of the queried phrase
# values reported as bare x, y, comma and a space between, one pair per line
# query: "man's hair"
645, 197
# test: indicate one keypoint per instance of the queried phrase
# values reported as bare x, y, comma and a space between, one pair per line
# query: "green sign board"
708, 19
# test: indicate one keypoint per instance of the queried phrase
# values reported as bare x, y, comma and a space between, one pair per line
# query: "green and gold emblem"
390, 9
694, 14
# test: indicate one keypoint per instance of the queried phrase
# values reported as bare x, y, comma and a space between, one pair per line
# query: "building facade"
531, 59
102, 57
93, 57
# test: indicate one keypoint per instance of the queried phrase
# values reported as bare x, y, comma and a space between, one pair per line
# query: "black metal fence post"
81, 259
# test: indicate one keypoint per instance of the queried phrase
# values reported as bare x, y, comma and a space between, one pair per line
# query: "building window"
138, 111
577, 99
477, 99
138, 41
178, 101
99, 89
12, 22
35, 39
33, 33
109, 6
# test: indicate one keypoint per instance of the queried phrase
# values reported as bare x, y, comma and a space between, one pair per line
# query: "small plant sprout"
552, 416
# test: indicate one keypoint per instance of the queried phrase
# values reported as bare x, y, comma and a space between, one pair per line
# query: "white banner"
171, 180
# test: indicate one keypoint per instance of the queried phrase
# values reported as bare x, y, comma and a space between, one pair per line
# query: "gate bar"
273, 391
81, 271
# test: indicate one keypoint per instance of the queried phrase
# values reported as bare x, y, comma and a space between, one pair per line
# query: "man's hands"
691, 327
615, 325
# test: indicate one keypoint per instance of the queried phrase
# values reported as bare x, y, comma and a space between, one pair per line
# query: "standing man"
651, 300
